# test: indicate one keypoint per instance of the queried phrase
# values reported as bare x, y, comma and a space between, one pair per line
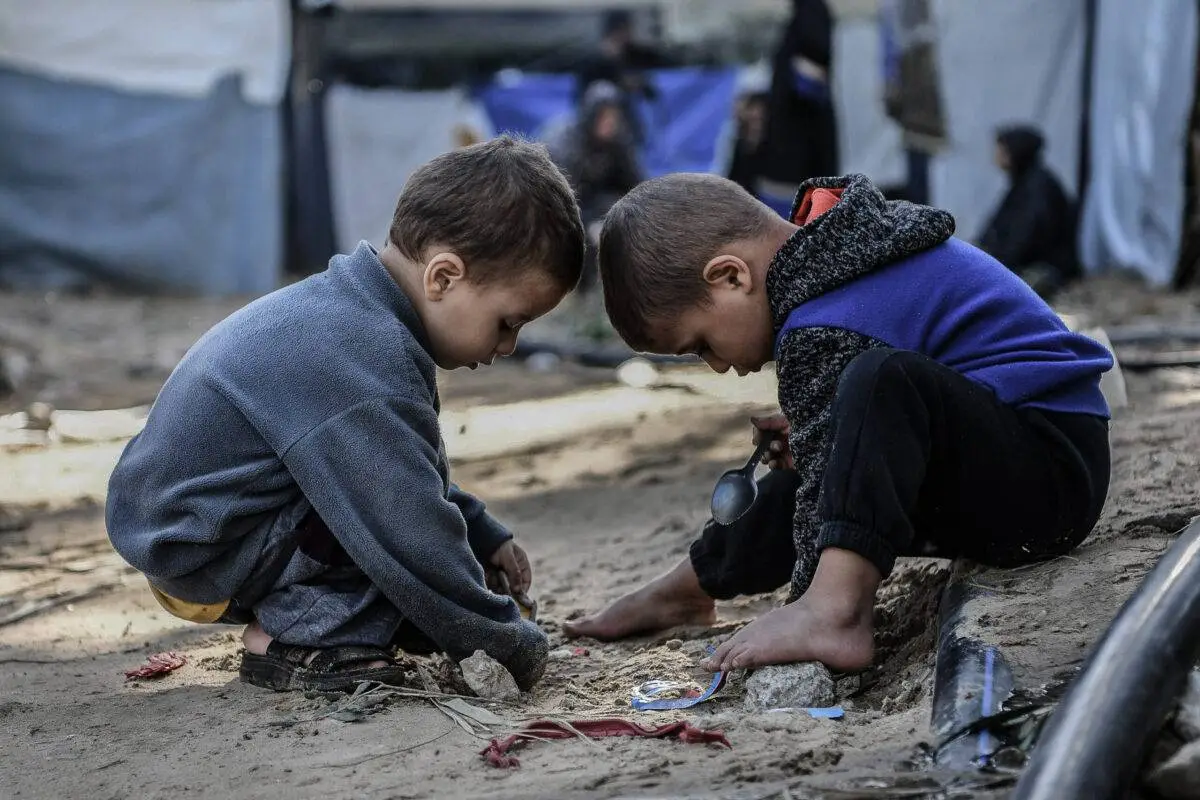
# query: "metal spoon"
737, 490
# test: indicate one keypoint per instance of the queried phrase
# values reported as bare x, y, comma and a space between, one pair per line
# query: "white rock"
805, 685
1178, 777
488, 678
543, 362
638, 373
561, 654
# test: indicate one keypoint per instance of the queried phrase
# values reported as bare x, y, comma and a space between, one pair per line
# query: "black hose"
1096, 741
1153, 333
1187, 358
971, 680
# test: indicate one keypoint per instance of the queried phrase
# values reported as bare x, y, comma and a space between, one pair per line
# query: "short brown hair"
495, 204
657, 239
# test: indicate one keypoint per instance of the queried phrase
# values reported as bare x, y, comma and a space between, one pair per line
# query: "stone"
804, 685
543, 362
638, 373
1178, 777
488, 678
39, 417
1187, 718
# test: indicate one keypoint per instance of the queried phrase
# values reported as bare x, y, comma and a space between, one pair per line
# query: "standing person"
1033, 230
912, 88
801, 140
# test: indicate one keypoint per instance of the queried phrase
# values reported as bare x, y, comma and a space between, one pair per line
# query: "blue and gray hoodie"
872, 273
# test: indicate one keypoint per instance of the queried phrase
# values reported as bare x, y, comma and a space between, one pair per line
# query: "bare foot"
672, 599
256, 641
831, 623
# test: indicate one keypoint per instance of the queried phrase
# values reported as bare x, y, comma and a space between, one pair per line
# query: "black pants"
923, 462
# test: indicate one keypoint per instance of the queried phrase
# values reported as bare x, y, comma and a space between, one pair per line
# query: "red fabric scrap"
157, 665
496, 753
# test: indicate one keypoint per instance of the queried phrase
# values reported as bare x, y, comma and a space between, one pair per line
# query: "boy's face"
733, 331
470, 323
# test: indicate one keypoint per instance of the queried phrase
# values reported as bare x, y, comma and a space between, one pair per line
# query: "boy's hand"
779, 456
513, 562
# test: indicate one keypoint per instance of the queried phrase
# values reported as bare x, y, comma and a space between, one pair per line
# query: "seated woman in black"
1033, 230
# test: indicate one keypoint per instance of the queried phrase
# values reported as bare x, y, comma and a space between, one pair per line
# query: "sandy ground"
606, 486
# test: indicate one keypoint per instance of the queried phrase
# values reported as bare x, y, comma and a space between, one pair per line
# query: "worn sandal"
332, 669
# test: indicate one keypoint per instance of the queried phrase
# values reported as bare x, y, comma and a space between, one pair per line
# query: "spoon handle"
759, 452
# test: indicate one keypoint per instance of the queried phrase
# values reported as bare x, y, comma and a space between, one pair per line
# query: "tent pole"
1090, 8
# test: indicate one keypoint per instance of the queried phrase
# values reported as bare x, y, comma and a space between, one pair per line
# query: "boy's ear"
442, 272
726, 271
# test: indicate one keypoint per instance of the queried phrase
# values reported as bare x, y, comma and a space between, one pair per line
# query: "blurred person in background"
1033, 230
912, 88
599, 157
750, 117
801, 134
622, 62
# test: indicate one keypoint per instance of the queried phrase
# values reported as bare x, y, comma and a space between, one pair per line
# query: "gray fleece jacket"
323, 390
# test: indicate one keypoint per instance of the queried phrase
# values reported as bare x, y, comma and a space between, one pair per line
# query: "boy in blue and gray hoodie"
291, 476
932, 403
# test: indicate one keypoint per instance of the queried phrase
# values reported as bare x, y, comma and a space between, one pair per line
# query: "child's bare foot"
672, 599
831, 623
256, 641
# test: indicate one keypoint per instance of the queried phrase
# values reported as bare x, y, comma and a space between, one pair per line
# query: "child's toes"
741, 657
715, 661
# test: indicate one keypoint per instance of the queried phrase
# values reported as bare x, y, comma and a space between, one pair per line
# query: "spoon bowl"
736, 490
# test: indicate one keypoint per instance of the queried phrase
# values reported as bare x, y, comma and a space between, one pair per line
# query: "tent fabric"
1003, 62
1144, 69
869, 142
683, 125
175, 47
147, 190
377, 138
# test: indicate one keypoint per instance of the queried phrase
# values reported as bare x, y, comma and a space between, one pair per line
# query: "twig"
38, 606
421, 694
387, 753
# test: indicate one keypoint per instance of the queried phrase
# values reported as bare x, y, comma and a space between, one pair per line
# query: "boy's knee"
876, 368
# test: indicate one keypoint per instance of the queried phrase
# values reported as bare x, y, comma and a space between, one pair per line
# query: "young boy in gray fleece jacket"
291, 475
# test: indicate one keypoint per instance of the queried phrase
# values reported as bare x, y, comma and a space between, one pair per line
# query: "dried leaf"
157, 665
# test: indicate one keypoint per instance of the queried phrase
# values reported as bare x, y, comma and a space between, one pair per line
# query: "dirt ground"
605, 485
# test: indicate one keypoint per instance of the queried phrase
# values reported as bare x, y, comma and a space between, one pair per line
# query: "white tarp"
376, 138
869, 142
140, 189
1001, 62
173, 47
1145, 67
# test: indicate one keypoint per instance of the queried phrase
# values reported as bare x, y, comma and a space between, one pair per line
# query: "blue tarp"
683, 124
139, 189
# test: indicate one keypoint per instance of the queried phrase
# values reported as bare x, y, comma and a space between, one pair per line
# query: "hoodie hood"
847, 229
1023, 145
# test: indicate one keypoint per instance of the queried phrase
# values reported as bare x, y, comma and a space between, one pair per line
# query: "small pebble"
543, 362
674, 644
